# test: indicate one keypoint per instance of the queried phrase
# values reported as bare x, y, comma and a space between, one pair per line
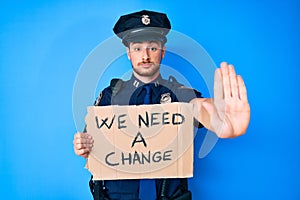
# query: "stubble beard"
148, 72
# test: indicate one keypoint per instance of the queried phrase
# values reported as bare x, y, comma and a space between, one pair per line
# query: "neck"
146, 79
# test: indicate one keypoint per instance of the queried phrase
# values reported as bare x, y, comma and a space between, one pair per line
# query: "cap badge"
165, 98
145, 19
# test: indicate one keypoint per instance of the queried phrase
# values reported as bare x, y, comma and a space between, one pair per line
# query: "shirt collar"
137, 83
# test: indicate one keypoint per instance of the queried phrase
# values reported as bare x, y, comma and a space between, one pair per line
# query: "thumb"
208, 107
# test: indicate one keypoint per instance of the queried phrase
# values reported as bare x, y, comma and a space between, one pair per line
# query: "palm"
229, 111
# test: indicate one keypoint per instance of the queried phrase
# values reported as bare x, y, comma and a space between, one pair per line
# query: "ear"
128, 53
163, 51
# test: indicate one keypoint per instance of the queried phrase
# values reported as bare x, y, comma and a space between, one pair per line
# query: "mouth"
145, 64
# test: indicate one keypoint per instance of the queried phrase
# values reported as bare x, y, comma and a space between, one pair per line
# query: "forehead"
145, 43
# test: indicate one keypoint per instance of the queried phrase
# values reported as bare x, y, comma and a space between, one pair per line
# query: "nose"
145, 55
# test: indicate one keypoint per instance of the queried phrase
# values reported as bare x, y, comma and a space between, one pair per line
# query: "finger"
82, 135
242, 89
78, 135
80, 145
218, 86
226, 81
85, 155
83, 138
83, 142
82, 152
233, 82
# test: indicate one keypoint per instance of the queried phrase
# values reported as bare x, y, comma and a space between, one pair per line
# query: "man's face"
145, 58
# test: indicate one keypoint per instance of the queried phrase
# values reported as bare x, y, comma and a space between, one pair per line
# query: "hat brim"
146, 34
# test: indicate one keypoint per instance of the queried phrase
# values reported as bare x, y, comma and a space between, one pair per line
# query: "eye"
153, 49
137, 49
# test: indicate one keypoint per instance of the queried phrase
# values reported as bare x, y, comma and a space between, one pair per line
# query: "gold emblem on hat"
145, 19
165, 98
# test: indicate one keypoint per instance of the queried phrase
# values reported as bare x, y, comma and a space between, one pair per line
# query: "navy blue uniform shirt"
131, 93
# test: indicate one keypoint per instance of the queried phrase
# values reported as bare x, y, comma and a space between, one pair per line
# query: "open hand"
228, 113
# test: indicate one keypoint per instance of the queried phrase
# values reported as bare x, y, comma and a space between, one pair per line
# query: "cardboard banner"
146, 141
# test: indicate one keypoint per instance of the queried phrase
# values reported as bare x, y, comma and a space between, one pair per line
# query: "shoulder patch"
115, 85
97, 102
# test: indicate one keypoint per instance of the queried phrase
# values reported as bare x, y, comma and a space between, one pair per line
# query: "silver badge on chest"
165, 98
145, 19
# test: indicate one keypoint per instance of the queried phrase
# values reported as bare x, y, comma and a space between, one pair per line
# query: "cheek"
133, 59
157, 57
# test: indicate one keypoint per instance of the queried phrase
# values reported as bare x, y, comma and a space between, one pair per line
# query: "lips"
145, 65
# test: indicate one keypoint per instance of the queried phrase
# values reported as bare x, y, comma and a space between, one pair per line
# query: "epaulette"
174, 83
115, 85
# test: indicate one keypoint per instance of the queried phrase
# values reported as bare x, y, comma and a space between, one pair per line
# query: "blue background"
43, 44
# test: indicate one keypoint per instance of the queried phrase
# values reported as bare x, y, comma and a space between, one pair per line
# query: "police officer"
144, 36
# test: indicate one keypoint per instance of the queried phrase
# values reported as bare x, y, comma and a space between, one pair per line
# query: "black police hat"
142, 26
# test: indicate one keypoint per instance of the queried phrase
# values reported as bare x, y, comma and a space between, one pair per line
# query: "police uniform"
146, 25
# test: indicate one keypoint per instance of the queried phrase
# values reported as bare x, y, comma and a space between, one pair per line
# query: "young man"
228, 114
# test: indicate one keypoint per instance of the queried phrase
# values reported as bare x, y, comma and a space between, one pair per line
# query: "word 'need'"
146, 120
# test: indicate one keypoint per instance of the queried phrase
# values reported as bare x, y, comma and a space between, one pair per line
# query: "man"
228, 114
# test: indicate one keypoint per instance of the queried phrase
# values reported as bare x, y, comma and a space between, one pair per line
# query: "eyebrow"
151, 42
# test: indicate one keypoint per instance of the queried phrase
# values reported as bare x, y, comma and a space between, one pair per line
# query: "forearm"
200, 113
